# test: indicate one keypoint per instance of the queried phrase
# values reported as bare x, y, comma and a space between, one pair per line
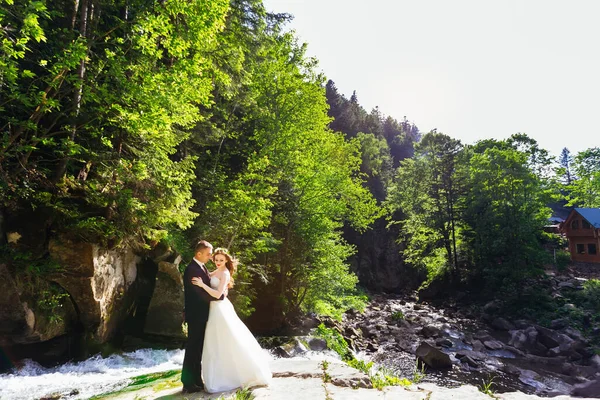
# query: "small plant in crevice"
398, 316
361, 365
418, 372
243, 394
486, 386
326, 379
384, 377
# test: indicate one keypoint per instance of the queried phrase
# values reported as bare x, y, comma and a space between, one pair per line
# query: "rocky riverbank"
459, 345
300, 379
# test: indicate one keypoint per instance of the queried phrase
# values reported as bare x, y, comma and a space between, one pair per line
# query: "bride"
232, 357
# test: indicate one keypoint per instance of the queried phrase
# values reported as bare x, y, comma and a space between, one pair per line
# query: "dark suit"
197, 304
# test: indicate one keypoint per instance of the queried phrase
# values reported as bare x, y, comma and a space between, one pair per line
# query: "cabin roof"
592, 215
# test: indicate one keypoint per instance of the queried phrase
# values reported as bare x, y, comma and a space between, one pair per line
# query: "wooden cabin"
582, 228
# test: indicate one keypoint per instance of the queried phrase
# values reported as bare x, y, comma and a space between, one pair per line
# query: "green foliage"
26, 263
379, 378
584, 188
475, 214
50, 301
142, 380
591, 294
335, 341
563, 258
89, 128
532, 301
157, 381
506, 210
429, 190
170, 121
276, 185
398, 316
383, 377
361, 365
240, 394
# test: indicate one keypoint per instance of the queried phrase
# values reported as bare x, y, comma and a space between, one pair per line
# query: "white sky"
473, 69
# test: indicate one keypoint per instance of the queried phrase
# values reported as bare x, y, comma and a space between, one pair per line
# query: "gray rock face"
291, 349
559, 323
433, 357
317, 344
502, 324
13, 314
590, 389
444, 342
527, 340
30, 317
548, 337
164, 315
493, 344
430, 331
97, 280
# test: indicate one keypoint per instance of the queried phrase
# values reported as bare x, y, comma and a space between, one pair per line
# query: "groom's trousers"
191, 372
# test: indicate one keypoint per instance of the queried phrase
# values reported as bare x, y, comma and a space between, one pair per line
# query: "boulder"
317, 344
164, 316
574, 284
492, 307
502, 324
559, 323
291, 349
444, 342
430, 331
482, 336
575, 334
548, 337
522, 324
526, 340
433, 357
493, 344
589, 389
98, 280
475, 355
469, 361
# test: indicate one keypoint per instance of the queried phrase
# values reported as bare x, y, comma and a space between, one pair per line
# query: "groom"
196, 316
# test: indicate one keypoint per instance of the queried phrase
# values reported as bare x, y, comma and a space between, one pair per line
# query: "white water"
98, 375
91, 377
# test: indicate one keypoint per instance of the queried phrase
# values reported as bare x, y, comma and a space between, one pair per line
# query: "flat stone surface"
293, 389
296, 379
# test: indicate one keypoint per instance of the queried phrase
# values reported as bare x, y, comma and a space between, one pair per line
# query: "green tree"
95, 100
275, 185
584, 190
566, 163
506, 211
429, 189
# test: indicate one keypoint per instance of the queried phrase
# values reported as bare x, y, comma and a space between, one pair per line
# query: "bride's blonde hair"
231, 263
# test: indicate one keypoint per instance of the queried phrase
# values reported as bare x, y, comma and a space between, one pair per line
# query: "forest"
142, 123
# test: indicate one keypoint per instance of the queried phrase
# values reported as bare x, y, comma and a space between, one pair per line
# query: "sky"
472, 69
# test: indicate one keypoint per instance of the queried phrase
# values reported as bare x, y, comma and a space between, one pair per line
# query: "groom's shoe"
192, 389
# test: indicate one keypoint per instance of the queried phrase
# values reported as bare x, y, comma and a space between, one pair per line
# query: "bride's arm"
216, 293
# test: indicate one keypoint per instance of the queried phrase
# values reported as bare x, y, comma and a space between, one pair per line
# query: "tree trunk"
83, 25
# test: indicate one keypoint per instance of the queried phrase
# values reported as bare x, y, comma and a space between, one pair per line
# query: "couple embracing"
221, 354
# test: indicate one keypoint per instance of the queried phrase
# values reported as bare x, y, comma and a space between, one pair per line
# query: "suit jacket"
197, 301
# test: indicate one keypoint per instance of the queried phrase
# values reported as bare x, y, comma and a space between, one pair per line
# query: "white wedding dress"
232, 358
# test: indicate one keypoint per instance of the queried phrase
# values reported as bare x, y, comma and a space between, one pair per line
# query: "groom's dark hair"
201, 245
